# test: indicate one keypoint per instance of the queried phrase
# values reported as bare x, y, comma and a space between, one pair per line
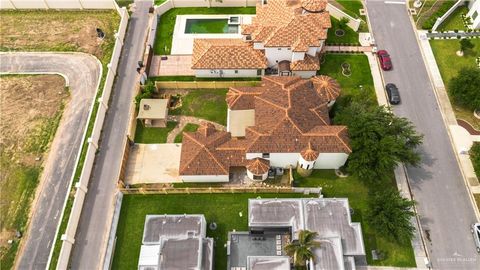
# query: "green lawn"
454, 21
152, 134
188, 128
477, 200
449, 64
351, 7
357, 193
166, 24
350, 37
222, 209
208, 104
158, 2
360, 74
125, 3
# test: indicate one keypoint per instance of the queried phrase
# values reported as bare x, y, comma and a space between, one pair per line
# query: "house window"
259, 72
279, 49
265, 155
308, 166
474, 15
301, 165
257, 177
249, 37
236, 71
289, 49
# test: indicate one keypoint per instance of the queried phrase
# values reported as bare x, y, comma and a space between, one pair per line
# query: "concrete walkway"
452, 34
183, 121
174, 65
82, 73
449, 116
348, 49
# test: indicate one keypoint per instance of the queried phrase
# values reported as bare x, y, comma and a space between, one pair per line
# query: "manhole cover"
339, 32
213, 226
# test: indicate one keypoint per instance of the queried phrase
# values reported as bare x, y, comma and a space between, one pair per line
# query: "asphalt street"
445, 210
96, 217
83, 72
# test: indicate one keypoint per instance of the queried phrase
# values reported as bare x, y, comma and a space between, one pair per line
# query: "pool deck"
182, 44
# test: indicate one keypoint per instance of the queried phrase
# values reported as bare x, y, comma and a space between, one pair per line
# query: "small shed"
153, 112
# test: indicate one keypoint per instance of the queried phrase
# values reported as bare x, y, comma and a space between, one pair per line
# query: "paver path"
183, 121
82, 72
348, 48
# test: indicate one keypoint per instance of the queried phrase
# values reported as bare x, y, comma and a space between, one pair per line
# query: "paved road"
83, 73
437, 185
92, 233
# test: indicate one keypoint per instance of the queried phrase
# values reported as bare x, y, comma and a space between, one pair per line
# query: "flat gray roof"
172, 226
152, 109
276, 213
268, 263
331, 218
181, 254
329, 254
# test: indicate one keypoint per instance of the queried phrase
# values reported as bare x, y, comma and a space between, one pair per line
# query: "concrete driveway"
153, 164
83, 73
437, 184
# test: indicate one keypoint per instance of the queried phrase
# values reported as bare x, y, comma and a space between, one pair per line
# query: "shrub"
428, 23
147, 91
475, 157
464, 88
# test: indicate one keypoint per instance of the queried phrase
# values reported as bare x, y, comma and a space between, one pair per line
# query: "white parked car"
476, 235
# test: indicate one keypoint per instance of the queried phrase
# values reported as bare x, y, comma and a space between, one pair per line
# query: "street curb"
444, 119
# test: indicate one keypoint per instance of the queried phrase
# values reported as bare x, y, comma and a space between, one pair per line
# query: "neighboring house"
474, 13
284, 38
274, 223
153, 112
175, 242
282, 123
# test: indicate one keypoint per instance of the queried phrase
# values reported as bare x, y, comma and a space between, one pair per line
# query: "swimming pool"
210, 26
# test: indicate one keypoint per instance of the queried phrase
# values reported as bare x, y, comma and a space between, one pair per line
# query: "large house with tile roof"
283, 123
285, 38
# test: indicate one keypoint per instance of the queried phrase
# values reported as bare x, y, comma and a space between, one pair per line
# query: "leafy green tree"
146, 91
342, 24
475, 157
379, 140
466, 45
464, 88
301, 249
390, 214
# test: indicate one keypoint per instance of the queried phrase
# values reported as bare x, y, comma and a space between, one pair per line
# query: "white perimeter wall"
226, 73
204, 178
57, 4
324, 161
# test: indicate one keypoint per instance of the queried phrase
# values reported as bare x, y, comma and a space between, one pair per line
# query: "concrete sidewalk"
449, 117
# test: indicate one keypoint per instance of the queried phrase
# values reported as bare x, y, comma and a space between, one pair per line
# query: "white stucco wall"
330, 160
297, 56
250, 175
227, 73
305, 74
324, 161
273, 55
474, 13
314, 50
204, 178
304, 164
258, 46
238, 120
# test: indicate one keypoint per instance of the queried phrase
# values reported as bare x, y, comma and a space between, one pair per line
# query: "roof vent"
146, 107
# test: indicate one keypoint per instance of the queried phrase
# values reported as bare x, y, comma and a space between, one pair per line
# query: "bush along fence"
59, 257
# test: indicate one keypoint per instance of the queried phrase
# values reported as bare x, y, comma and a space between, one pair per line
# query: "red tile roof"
258, 166
290, 117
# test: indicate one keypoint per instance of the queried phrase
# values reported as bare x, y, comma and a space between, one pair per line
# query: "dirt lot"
30, 110
58, 31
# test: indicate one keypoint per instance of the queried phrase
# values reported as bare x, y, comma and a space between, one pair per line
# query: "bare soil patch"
30, 110
51, 30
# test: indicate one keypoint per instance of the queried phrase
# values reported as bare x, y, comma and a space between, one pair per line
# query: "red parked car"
385, 61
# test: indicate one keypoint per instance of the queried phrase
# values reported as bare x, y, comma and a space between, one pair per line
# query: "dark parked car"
393, 94
385, 61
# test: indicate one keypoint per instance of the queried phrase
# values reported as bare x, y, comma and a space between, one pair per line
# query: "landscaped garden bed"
454, 21
358, 194
349, 36
228, 211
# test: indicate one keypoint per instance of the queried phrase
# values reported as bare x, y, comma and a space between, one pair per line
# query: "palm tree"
301, 249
